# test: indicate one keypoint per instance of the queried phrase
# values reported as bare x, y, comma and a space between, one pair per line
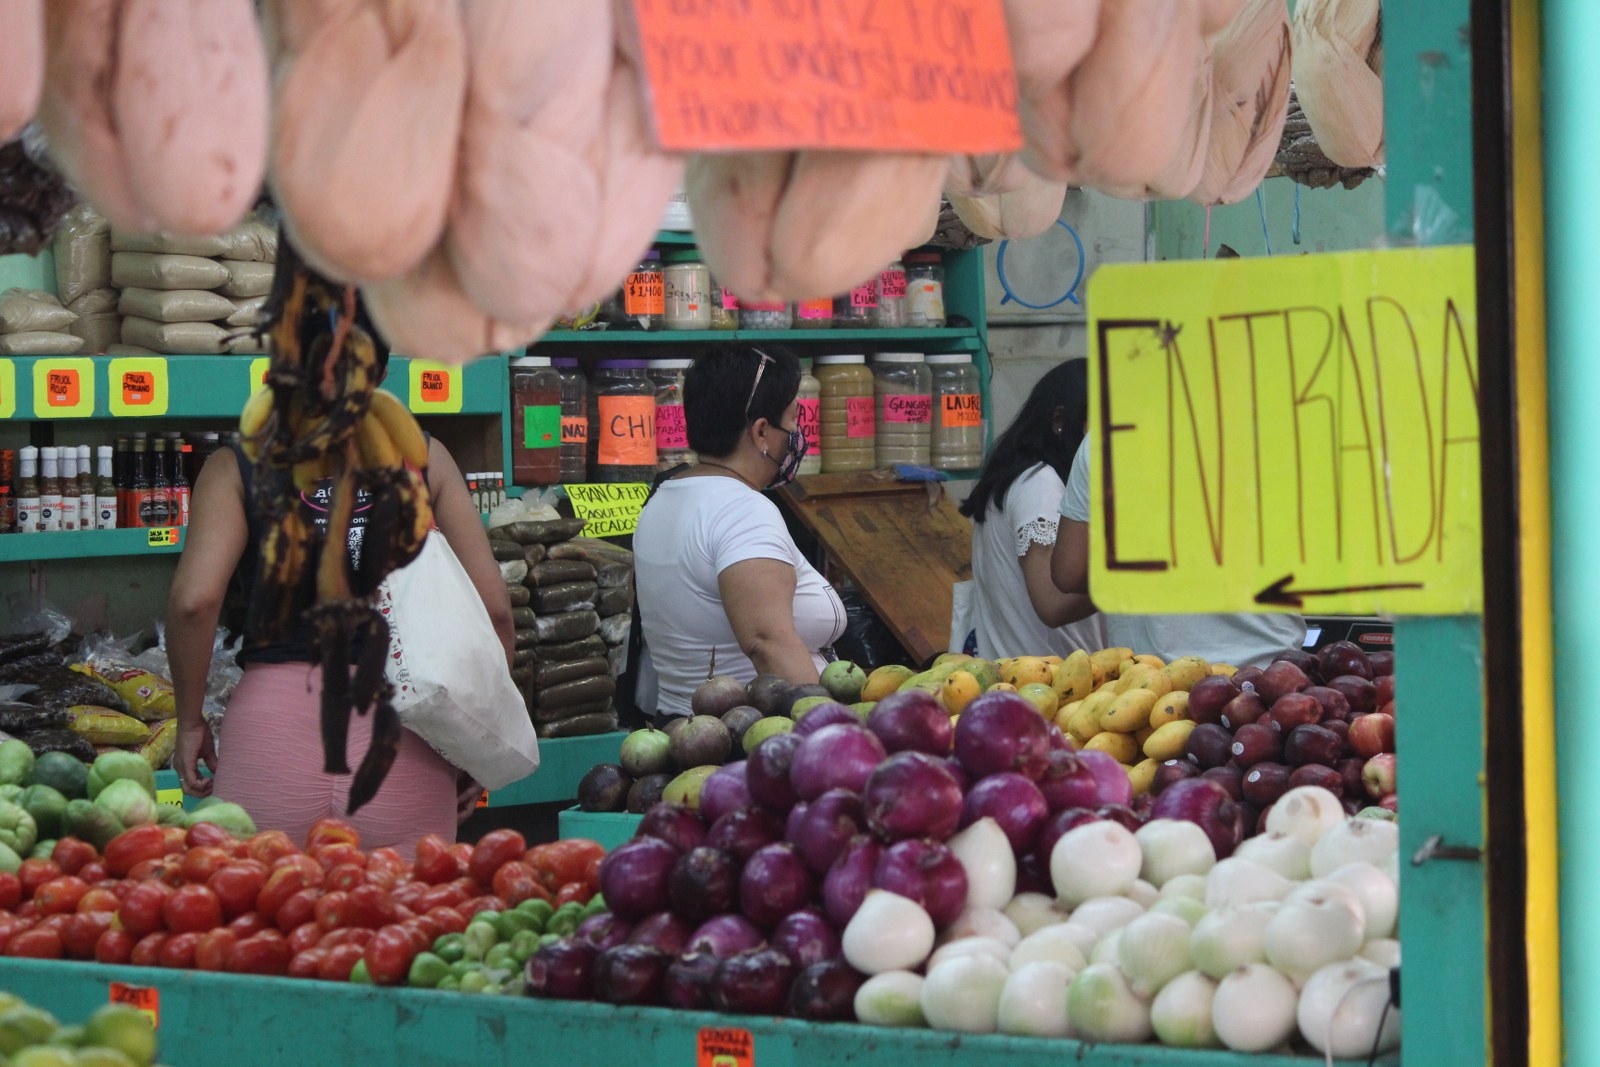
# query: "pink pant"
270, 763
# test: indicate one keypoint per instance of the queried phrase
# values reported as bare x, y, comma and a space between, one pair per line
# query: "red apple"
1334, 705
1372, 734
1388, 709
1280, 679
1379, 775
1383, 688
1390, 802
1382, 663
1209, 696
1294, 709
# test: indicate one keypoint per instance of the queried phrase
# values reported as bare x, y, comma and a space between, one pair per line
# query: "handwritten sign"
8, 388
258, 372
163, 536
63, 388
718, 1046
574, 430
858, 415
907, 407
961, 409
138, 387
881, 75
147, 999
626, 428
1294, 433
435, 388
610, 509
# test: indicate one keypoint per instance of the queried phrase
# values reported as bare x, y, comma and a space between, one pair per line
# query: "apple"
1209, 696
1390, 802
1382, 663
1383, 688
1334, 704
1372, 734
1243, 709
1281, 678
1294, 709
1361, 693
1379, 776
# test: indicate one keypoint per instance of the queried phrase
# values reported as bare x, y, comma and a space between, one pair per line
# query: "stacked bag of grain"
34, 323
83, 278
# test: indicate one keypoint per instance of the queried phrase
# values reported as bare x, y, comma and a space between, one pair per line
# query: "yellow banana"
253, 421
377, 450
401, 427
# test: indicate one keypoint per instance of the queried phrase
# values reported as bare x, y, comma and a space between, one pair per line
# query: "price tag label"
8, 388
164, 536
147, 999
610, 509
170, 796
719, 1046
138, 387
63, 388
483, 799
435, 388
258, 372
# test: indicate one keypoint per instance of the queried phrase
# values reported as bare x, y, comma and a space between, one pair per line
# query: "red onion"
1208, 806
630, 974
741, 833
791, 825
1058, 740
725, 935
835, 757
958, 772
849, 878
1000, 731
1014, 802
1123, 813
633, 877
827, 826
1109, 775
752, 983
663, 930
826, 992
724, 791
1068, 781
1056, 827
603, 930
912, 794
774, 883
677, 825
925, 872
912, 721
829, 714
806, 938
766, 772
688, 981
1033, 875
562, 970
704, 882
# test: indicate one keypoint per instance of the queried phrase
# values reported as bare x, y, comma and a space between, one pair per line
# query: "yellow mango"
1224, 669
1143, 775
1119, 747
1150, 661
1107, 662
946, 657
885, 680
1084, 724
1144, 676
1185, 671
1001, 687
1040, 696
1074, 678
1026, 669
1174, 707
983, 671
1053, 660
959, 690
1142, 735
1169, 741
1129, 712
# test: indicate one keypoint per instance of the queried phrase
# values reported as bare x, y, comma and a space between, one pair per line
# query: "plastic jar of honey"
903, 388
957, 413
849, 434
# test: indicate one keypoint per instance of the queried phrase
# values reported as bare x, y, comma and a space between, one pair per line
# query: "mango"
1185, 671
1142, 775
1144, 676
1142, 735
984, 671
1107, 662
1168, 741
1074, 678
1226, 670
934, 677
1040, 696
1025, 669
1083, 725
883, 681
1054, 661
946, 657
1119, 747
959, 690
1001, 687
1174, 707
1150, 661
1129, 712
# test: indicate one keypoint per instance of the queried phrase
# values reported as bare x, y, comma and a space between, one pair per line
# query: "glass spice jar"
766, 315
857, 309
687, 283
672, 432
574, 420
810, 418
903, 389
724, 307
957, 413
849, 433
891, 310
814, 314
535, 422
644, 298
924, 290
622, 422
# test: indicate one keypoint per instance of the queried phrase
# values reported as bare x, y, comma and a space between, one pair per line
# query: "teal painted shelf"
85, 544
950, 337
271, 1021
610, 828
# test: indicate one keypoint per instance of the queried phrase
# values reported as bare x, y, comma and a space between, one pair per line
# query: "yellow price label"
608, 509
1298, 433
170, 796
63, 388
164, 536
8, 388
435, 388
258, 373
137, 387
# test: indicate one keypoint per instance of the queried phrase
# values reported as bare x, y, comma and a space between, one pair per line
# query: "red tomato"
35, 873
215, 951
147, 953
27, 910
132, 847
98, 899
261, 955
369, 906
237, 886
562, 862
10, 891
382, 877
208, 833
493, 849
573, 892
307, 964
332, 831
344, 876
165, 870
470, 908
199, 864
175, 838
60, 896
331, 910
515, 882
114, 946
389, 955
58, 923
447, 920
330, 856
407, 894
268, 846
440, 896
178, 951
462, 852
93, 873
83, 932
304, 936
73, 855
388, 859
250, 924
299, 909
346, 935
338, 961
140, 913
284, 883
42, 943
192, 909
434, 863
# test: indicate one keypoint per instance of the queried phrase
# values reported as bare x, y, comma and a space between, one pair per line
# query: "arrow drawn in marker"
1278, 594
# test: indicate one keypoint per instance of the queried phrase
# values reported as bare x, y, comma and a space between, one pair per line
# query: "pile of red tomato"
200, 898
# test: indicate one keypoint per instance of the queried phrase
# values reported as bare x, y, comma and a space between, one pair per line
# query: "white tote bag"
448, 668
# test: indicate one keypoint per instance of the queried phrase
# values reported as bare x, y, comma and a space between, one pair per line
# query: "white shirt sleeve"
751, 529
1075, 499
1030, 509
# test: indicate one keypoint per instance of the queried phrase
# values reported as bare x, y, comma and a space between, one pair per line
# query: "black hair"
717, 403
1031, 438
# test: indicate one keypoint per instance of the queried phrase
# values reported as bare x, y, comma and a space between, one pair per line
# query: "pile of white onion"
1149, 936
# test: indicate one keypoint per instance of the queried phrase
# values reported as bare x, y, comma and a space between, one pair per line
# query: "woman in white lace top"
1014, 508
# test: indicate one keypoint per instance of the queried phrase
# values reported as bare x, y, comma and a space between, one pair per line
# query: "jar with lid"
890, 312
857, 309
924, 290
903, 389
643, 297
687, 282
672, 432
574, 420
814, 314
535, 421
957, 413
724, 307
766, 315
622, 422
810, 418
849, 434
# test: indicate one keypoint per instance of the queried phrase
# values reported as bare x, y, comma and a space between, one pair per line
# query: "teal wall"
29, 272
1331, 220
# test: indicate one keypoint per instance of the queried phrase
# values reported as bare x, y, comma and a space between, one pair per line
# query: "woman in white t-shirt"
715, 566
1013, 508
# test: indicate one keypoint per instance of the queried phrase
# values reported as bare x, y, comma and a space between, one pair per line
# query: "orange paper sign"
961, 409
62, 388
138, 388
719, 1046
880, 75
627, 431
435, 387
145, 998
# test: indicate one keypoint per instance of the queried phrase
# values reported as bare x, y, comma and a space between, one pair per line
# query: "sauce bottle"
85, 489
178, 478
28, 490
105, 490
160, 495
138, 467
68, 513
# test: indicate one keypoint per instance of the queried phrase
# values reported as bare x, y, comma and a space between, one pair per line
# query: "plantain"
401, 427
373, 442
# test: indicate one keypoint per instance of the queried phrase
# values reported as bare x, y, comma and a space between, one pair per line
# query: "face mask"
790, 464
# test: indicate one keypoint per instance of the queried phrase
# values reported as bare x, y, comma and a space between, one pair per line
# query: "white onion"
893, 998
1105, 950
985, 854
968, 946
1354, 841
1306, 811
1189, 910
1171, 847
1313, 931
1181, 1012
1341, 1006
1105, 914
1254, 1009
1234, 882
1226, 940
982, 922
1034, 1001
887, 933
1102, 1007
1033, 911
1185, 885
1143, 893
1097, 859
1384, 951
1380, 899
1284, 853
963, 994
1152, 951
1052, 944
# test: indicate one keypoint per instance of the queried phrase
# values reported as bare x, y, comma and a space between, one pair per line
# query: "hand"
195, 746
468, 790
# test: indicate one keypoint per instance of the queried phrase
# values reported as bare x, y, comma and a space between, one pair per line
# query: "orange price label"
574, 430
627, 431
483, 799
718, 1046
435, 388
880, 75
62, 388
961, 410
147, 999
137, 387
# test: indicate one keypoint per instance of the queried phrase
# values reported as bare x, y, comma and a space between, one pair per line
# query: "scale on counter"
1372, 634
